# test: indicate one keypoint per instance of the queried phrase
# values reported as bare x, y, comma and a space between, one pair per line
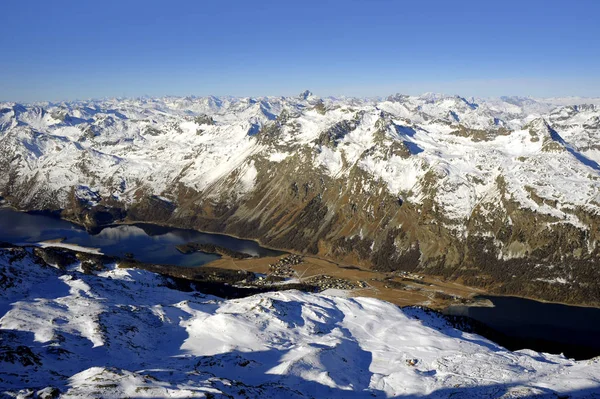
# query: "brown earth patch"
403, 289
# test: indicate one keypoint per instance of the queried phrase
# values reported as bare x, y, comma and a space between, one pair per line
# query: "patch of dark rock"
63, 257
48, 393
19, 354
204, 120
56, 256
332, 136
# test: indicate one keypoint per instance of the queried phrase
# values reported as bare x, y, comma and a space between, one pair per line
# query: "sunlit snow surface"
122, 333
111, 148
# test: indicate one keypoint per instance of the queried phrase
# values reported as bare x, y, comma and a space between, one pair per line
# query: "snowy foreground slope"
499, 193
123, 333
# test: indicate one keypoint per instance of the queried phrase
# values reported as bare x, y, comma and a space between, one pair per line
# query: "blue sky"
64, 50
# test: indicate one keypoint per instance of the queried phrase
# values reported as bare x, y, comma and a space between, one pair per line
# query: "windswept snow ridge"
123, 333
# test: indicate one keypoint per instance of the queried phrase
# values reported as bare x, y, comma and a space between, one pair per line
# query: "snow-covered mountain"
502, 193
124, 333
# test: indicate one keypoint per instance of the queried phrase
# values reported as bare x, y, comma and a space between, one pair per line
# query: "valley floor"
403, 289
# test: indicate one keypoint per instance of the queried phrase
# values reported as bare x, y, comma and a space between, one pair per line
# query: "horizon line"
330, 96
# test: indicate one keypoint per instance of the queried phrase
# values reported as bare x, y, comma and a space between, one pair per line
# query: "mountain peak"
305, 95
539, 124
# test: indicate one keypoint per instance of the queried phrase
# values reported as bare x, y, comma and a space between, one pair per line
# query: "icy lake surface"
148, 243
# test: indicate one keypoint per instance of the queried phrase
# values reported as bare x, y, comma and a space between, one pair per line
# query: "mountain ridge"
473, 190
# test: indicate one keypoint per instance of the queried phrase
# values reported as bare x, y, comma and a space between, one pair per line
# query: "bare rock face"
502, 194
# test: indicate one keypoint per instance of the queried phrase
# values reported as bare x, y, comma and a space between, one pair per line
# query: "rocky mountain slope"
117, 333
498, 193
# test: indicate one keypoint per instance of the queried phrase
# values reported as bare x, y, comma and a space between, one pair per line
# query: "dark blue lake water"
147, 242
544, 327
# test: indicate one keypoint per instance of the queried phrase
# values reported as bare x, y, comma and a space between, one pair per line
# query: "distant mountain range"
497, 193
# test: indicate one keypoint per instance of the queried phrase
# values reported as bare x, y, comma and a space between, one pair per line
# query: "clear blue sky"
61, 50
